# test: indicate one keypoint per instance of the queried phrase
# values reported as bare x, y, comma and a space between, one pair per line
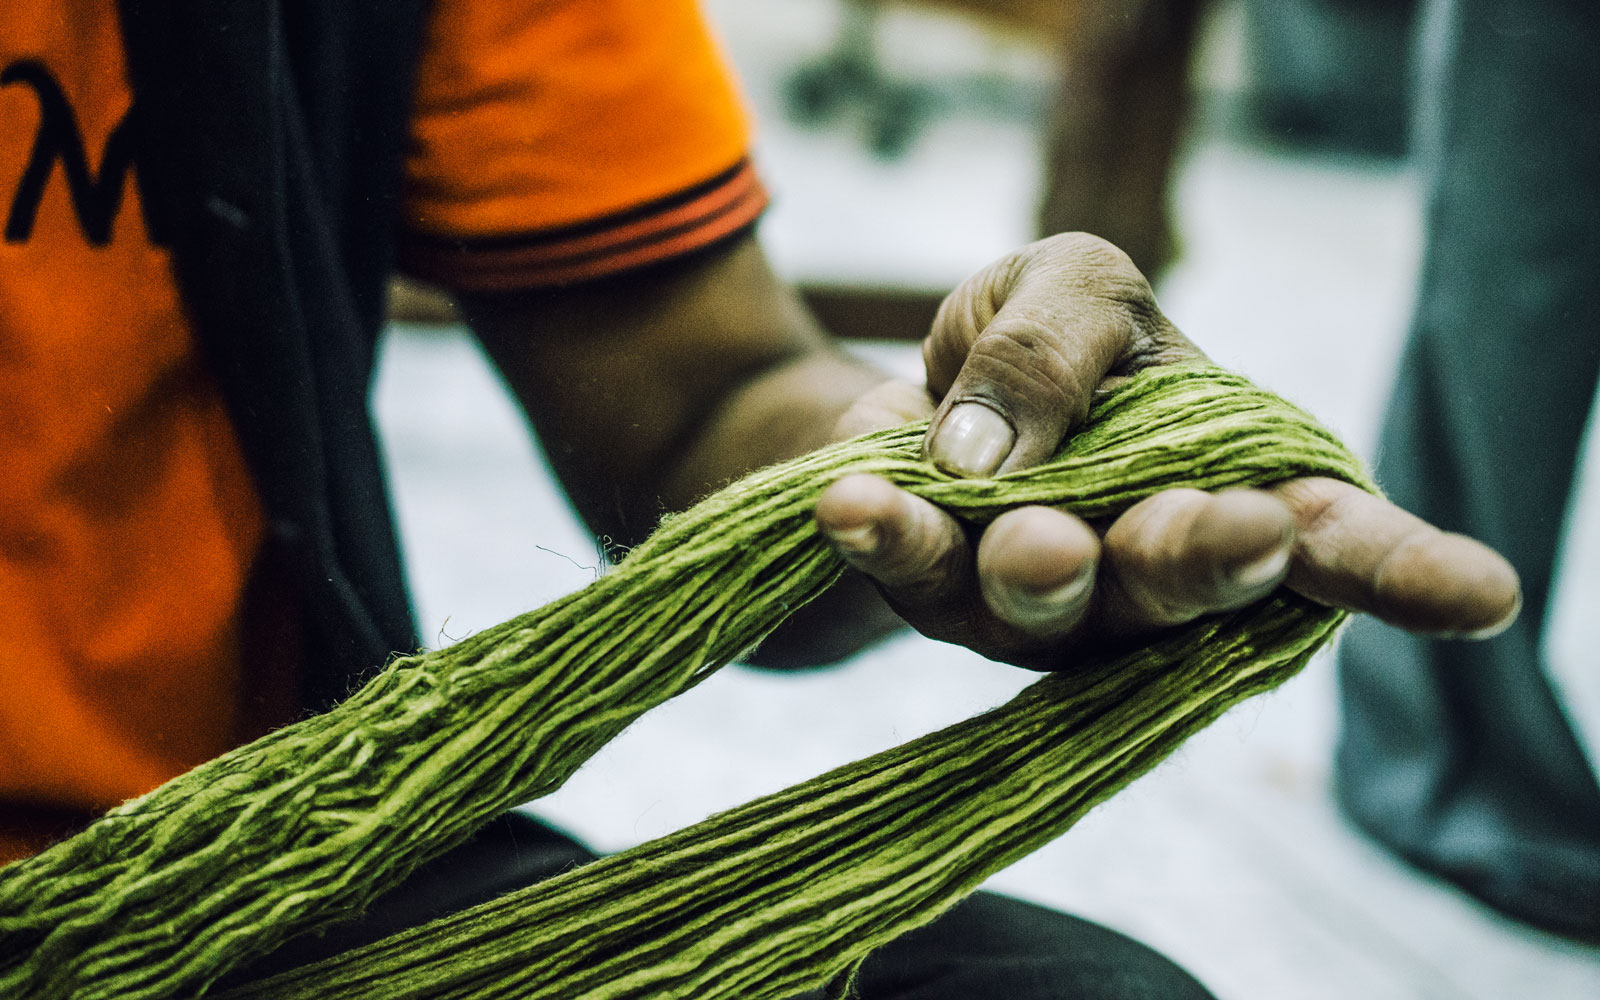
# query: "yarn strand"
313, 823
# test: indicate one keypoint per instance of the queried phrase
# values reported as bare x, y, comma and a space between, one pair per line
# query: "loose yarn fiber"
312, 823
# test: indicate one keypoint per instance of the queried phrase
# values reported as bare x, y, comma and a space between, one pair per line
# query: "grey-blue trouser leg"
1457, 755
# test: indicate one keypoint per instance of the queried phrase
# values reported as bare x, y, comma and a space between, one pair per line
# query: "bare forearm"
651, 391
784, 413
626, 379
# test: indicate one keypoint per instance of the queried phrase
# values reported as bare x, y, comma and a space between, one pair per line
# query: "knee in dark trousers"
995, 947
987, 947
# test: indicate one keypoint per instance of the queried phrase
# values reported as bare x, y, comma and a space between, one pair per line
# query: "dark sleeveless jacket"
270, 136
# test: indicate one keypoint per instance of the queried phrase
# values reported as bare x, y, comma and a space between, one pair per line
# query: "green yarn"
312, 823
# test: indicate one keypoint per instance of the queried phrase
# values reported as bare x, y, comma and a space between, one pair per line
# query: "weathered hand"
1014, 359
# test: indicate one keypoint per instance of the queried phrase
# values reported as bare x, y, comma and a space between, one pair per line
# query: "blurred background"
1264, 182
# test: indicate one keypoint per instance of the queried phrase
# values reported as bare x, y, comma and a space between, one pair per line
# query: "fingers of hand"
888, 405
1030, 584
1361, 552
1184, 553
915, 551
1017, 351
1036, 570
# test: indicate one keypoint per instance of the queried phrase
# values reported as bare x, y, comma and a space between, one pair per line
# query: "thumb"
1018, 350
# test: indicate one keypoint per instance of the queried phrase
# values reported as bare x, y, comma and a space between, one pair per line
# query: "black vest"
269, 143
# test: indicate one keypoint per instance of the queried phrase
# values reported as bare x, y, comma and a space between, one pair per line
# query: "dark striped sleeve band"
659, 231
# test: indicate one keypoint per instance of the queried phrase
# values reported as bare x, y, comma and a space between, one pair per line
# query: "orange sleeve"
557, 141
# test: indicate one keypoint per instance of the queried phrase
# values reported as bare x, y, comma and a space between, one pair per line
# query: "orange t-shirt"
552, 142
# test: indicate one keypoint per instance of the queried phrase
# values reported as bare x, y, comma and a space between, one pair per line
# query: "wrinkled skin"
1013, 362
651, 389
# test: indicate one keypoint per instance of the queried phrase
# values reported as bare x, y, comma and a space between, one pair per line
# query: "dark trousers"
987, 947
1457, 755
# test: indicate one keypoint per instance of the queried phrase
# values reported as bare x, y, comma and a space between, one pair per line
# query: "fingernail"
1046, 607
1497, 627
972, 440
1065, 595
861, 540
1265, 570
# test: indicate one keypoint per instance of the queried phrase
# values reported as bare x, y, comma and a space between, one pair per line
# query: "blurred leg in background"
994, 946
1457, 755
986, 946
1115, 127
1112, 132
1332, 75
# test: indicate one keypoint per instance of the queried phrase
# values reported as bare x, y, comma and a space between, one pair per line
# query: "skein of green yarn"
312, 823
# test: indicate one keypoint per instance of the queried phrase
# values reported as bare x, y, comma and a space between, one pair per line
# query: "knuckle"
941, 359
1165, 577
1319, 507
961, 319
1318, 503
921, 559
1083, 245
1414, 548
1116, 290
1023, 367
1106, 266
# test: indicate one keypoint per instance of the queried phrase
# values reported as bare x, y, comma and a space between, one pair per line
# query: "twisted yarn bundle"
312, 823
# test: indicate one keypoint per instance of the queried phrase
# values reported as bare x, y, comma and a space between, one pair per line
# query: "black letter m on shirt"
95, 198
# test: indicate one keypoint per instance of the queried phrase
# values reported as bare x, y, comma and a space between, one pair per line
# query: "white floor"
1230, 857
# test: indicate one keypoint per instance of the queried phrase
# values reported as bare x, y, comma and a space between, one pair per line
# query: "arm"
652, 389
